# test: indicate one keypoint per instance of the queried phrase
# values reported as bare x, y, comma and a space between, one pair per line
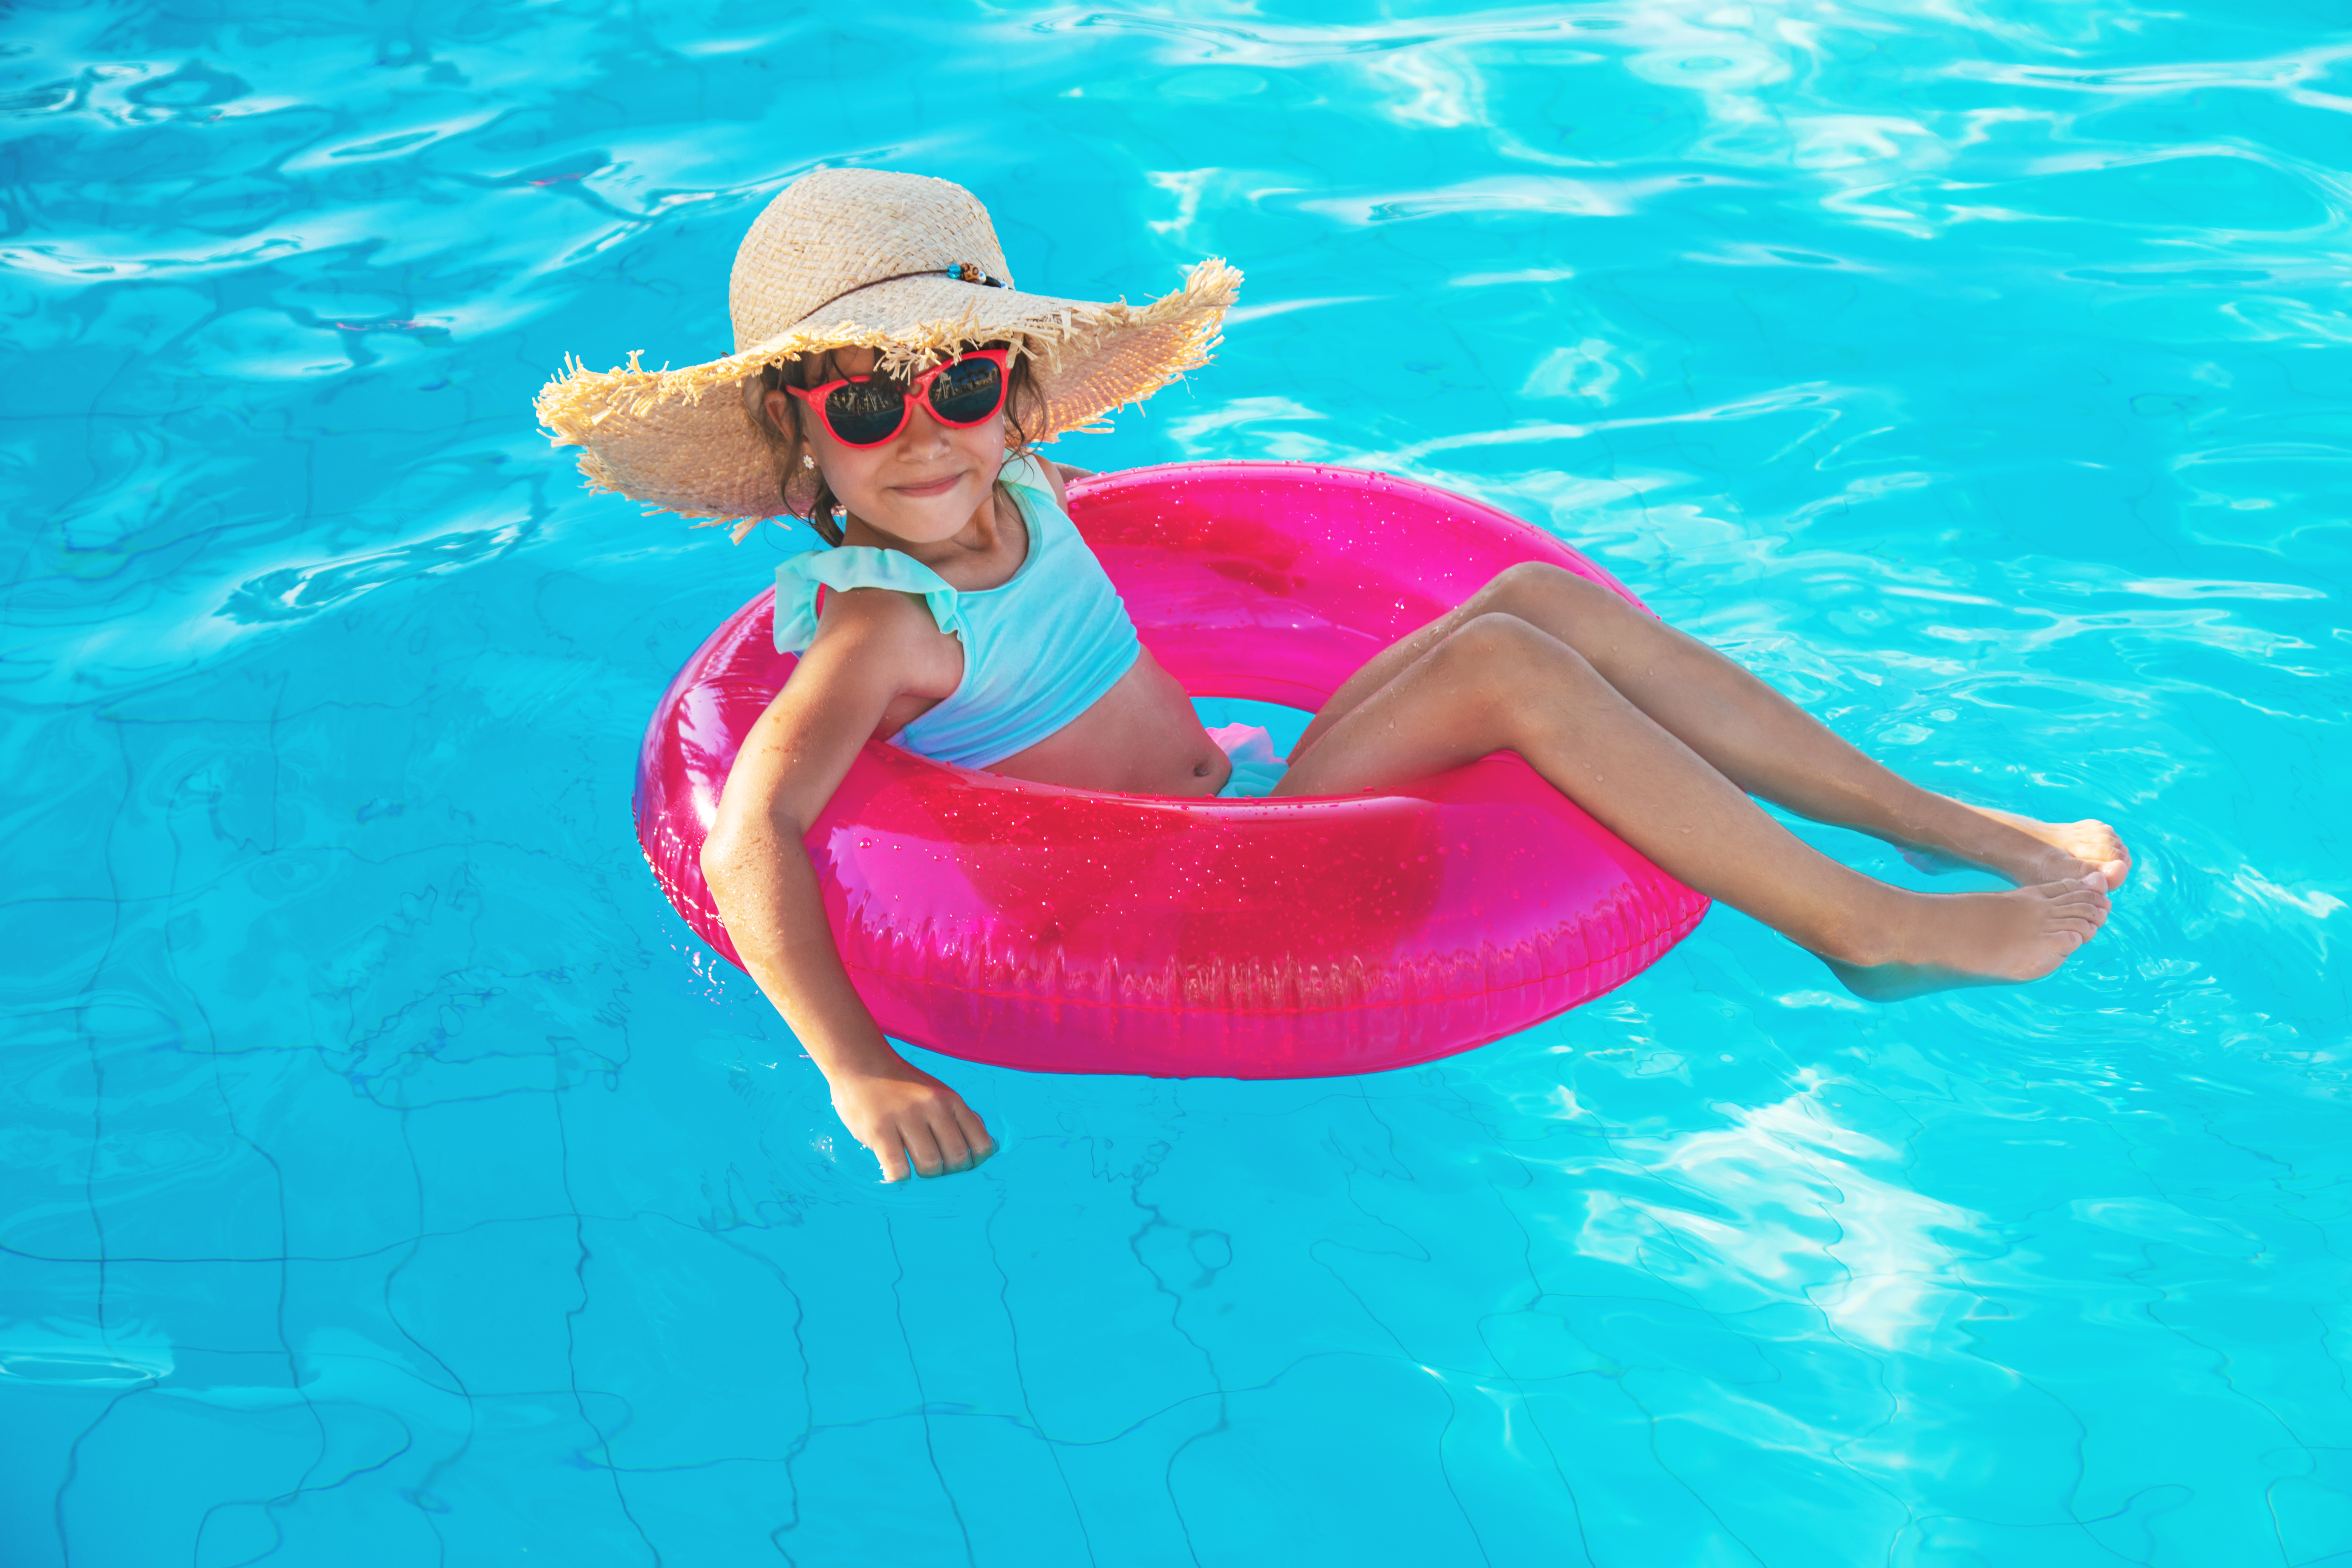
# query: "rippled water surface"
390, 1178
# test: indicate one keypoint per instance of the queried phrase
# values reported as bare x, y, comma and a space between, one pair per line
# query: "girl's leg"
1497, 682
1747, 731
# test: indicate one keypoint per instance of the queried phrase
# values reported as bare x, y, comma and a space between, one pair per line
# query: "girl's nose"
922, 426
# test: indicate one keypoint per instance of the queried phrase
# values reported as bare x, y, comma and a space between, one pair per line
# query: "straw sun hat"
899, 263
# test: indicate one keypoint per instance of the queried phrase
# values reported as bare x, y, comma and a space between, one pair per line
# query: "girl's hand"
869, 651
906, 1117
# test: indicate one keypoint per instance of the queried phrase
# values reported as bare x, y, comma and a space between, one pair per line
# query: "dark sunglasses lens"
865, 412
968, 392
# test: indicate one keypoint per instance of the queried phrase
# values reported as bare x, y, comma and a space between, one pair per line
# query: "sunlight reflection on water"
391, 1177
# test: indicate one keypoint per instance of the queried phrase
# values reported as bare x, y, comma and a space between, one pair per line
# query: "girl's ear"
782, 414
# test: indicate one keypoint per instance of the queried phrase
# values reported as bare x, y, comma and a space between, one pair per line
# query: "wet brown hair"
802, 489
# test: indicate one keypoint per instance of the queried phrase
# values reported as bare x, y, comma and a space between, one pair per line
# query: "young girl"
888, 376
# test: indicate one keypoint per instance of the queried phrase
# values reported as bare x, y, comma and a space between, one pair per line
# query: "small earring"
807, 462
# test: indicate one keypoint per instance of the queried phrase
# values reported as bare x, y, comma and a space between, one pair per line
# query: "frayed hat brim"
680, 440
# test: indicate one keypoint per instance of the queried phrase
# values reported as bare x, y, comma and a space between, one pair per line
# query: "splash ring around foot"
1063, 930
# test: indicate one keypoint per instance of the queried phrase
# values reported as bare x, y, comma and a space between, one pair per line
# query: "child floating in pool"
888, 386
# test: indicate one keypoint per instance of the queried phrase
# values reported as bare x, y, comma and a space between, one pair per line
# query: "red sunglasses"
867, 411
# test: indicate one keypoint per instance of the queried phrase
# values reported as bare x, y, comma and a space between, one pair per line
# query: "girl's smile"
926, 485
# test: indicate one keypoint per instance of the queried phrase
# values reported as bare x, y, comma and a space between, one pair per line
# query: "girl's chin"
924, 520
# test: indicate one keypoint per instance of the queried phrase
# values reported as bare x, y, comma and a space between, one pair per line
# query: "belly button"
1201, 771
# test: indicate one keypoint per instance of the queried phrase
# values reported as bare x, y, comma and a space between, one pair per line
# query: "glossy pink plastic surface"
1064, 932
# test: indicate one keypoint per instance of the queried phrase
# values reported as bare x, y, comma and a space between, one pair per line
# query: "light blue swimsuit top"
1038, 651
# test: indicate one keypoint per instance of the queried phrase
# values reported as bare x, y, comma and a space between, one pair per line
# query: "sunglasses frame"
920, 387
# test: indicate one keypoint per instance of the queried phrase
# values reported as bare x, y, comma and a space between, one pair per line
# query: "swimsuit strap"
850, 566
862, 566
1028, 472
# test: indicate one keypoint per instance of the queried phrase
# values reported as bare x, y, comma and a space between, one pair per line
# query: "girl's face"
925, 485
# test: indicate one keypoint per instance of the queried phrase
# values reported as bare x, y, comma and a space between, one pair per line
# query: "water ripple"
383, 1151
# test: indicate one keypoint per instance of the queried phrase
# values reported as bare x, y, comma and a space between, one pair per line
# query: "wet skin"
1662, 739
877, 661
1664, 742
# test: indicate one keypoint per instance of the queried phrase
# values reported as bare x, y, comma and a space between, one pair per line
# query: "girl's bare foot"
2029, 852
1934, 942
2092, 846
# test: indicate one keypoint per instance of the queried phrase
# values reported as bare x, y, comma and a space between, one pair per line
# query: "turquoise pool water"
390, 1179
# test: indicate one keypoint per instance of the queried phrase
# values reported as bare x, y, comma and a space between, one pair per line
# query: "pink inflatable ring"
1059, 930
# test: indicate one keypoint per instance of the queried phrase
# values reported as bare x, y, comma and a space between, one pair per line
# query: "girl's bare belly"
1141, 737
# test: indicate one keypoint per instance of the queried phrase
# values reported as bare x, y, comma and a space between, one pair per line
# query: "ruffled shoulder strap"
854, 566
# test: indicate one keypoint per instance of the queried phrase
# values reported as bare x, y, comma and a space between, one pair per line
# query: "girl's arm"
870, 650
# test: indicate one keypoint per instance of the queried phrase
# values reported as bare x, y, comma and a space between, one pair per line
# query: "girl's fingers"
955, 1150
923, 1149
930, 1140
974, 1131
